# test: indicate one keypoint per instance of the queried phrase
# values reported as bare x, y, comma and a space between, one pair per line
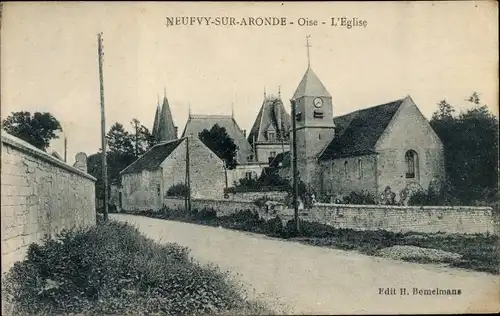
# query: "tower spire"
279, 91
164, 91
308, 55
265, 94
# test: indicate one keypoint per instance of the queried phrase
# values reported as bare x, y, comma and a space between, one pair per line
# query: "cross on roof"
308, 56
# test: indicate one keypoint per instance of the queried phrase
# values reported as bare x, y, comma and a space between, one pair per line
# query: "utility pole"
135, 124
103, 126
294, 167
188, 178
65, 148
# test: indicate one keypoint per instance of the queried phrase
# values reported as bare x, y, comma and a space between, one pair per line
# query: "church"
390, 146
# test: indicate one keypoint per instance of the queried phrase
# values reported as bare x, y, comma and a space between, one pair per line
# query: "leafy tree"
37, 129
471, 150
119, 140
221, 144
142, 138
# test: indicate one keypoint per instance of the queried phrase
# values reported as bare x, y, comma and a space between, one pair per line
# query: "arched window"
411, 160
360, 168
345, 168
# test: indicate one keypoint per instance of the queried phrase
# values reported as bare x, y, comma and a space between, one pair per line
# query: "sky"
428, 50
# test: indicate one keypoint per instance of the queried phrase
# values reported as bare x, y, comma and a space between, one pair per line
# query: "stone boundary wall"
425, 219
279, 196
41, 195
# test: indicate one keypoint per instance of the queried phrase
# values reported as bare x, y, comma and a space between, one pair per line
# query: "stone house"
146, 181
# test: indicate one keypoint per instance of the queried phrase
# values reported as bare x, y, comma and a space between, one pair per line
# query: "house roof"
310, 86
272, 115
152, 159
358, 132
281, 160
197, 123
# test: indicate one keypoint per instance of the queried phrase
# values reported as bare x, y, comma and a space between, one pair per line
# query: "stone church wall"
41, 195
359, 174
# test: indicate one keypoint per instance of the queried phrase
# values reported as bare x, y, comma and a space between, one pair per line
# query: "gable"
409, 128
272, 114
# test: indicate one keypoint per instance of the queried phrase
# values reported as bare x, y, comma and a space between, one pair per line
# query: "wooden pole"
294, 168
188, 176
103, 127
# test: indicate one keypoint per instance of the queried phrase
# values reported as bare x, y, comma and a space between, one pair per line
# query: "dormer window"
271, 136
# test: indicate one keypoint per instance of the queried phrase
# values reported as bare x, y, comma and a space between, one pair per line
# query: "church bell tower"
314, 123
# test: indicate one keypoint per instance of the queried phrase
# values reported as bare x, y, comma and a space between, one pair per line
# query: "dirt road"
314, 280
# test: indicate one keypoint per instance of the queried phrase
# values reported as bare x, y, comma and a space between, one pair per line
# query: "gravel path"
315, 280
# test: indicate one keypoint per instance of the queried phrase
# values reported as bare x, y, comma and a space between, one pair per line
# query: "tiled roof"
272, 114
281, 160
197, 123
311, 86
153, 158
358, 132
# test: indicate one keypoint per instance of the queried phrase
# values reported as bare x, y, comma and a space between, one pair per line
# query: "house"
146, 182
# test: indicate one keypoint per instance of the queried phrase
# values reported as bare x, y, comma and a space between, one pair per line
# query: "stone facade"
147, 189
41, 195
342, 176
244, 171
266, 152
409, 130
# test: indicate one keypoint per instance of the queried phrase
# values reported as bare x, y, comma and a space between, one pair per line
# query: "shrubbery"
359, 198
113, 269
178, 190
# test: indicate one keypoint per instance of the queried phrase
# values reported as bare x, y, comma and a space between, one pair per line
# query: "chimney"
81, 162
175, 131
245, 133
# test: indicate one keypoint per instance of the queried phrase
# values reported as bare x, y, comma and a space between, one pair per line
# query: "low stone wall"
279, 196
426, 219
223, 207
41, 195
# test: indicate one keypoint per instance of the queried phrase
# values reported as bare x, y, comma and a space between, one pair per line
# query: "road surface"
313, 280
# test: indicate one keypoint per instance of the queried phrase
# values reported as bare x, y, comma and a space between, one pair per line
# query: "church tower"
167, 131
314, 123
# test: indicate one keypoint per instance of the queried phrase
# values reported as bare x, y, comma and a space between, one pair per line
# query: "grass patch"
112, 269
479, 252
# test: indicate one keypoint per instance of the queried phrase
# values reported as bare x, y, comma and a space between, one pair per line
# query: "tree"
119, 140
37, 129
142, 138
471, 150
221, 144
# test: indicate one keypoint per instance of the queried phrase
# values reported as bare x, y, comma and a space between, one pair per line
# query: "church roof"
166, 127
197, 123
358, 132
152, 159
272, 114
311, 86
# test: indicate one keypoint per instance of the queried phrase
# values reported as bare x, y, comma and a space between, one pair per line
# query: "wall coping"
33, 151
479, 208
224, 201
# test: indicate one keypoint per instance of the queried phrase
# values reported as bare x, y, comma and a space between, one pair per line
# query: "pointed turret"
156, 122
167, 131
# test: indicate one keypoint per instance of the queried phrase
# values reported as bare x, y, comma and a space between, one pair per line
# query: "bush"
113, 269
359, 198
178, 190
